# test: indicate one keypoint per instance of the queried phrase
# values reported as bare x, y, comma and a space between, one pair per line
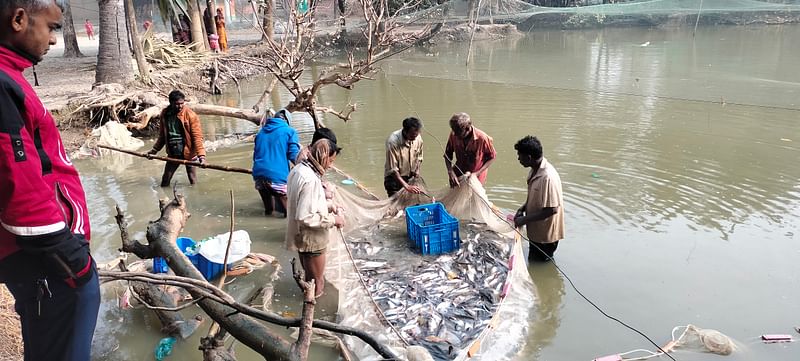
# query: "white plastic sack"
214, 248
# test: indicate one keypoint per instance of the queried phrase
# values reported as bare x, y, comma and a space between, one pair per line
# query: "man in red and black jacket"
44, 233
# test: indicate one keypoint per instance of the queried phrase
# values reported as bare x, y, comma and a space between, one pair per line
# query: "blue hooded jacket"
276, 144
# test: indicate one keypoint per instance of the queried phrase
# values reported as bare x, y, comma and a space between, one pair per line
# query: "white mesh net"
474, 301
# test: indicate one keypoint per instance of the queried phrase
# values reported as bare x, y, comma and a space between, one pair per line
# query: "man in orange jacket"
180, 131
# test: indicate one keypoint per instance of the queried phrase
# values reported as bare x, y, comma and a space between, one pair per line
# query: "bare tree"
71, 49
382, 35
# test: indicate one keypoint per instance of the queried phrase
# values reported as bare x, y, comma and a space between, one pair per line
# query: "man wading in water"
44, 238
310, 218
473, 149
543, 212
403, 158
180, 131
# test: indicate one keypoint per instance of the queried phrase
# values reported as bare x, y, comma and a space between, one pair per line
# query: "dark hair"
530, 146
176, 95
411, 123
30, 6
323, 133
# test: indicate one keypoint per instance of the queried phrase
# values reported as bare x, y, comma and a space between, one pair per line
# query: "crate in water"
432, 229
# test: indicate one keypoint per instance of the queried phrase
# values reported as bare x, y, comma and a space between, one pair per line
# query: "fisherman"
180, 131
403, 158
321, 133
473, 149
310, 218
44, 238
543, 212
276, 145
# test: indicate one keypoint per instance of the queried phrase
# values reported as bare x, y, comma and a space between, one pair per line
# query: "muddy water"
679, 159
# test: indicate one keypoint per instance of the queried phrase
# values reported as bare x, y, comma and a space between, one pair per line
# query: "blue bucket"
185, 243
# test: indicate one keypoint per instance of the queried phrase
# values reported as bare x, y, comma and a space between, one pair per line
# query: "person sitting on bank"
403, 158
310, 218
276, 145
543, 212
180, 131
474, 150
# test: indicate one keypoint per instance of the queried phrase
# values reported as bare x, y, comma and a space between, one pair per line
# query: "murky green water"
679, 161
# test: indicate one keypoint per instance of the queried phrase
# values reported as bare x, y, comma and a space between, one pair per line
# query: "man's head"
411, 128
284, 114
529, 151
324, 152
461, 125
323, 133
29, 26
176, 100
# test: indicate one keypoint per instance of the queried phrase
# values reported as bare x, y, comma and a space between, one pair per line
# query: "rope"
366, 289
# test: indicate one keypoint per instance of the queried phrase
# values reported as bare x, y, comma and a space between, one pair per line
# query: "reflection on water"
547, 318
679, 164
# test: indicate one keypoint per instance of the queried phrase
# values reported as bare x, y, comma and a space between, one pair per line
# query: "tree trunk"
267, 23
211, 23
196, 26
138, 51
71, 49
113, 55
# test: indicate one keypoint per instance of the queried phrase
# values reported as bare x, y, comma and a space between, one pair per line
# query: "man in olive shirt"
543, 212
403, 158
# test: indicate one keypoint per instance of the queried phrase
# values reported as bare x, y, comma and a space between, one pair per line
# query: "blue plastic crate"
431, 229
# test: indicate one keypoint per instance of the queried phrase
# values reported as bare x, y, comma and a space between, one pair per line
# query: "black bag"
175, 148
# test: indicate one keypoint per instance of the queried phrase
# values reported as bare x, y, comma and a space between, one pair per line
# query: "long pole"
180, 161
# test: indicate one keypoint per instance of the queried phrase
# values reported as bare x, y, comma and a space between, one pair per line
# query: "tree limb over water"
239, 320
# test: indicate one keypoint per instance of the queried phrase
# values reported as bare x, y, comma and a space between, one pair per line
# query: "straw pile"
164, 54
11, 345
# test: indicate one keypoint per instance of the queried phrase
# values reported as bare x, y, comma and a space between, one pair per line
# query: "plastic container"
160, 265
212, 252
431, 229
187, 246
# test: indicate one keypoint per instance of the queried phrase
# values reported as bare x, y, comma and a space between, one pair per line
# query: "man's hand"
339, 221
520, 221
413, 189
151, 152
453, 179
201, 159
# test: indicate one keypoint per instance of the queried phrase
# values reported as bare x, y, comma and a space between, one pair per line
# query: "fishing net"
704, 340
623, 12
473, 301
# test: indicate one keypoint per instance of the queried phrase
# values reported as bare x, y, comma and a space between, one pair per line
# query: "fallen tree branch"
303, 342
221, 307
181, 161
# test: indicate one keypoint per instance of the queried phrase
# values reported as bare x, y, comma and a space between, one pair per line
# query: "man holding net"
473, 149
403, 158
543, 212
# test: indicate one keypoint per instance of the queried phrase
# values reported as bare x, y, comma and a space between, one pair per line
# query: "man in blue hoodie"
276, 145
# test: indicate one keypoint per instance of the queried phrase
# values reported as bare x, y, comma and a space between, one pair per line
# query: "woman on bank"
310, 218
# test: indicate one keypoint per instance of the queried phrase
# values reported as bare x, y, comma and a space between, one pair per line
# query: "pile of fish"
440, 302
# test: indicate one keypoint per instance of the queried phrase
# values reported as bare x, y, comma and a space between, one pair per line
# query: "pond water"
679, 158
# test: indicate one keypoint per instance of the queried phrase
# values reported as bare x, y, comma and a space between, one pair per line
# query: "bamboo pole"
180, 161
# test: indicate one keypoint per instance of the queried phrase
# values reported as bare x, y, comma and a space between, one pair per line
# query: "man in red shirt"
89, 29
474, 150
44, 222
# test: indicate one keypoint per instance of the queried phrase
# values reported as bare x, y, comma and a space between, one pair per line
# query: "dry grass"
11, 345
